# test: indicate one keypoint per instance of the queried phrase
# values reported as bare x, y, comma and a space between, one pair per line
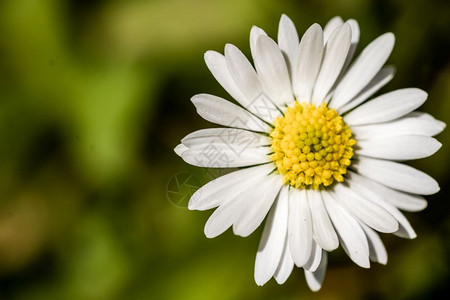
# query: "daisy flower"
315, 153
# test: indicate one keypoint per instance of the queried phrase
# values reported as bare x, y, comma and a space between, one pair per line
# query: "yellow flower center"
312, 146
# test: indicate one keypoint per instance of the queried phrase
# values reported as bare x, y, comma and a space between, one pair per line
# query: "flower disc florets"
312, 146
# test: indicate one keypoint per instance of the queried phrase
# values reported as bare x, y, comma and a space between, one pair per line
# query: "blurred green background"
94, 95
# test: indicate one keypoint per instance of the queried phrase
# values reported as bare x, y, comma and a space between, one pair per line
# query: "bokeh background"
94, 95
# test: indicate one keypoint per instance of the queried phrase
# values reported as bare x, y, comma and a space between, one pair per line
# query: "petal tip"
229, 48
195, 99
193, 202
209, 234
337, 18
390, 37
180, 149
209, 54
365, 264
314, 29
254, 28
285, 20
434, 188
315, 25
332, 246
260, 279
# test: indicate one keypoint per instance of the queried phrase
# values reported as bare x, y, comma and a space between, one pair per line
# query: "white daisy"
315, 155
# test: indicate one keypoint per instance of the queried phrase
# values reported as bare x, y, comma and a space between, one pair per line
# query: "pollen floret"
312, 146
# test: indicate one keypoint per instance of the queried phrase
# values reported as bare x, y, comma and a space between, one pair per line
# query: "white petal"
218, 66
224, 155
255, 33
386, 107
422, 115
220, 111
309, 54
353, 44
335, 53
272, 241
222, 218
257, 205
225, 215
331, 26
299, 227
381, 79
273, 72
426, 116
315, 279
226, 187
404, 201
323, 231
404, 126
263, 107
364, 69
405, 231
246, 79
354, 41
376, 247
242, 72
352, 237
288, 41
369, 190
233, 137
179, 149
399, 199
368, 212
286, 265
397, 176
231, 209
402, 147
314, 260
204, 133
